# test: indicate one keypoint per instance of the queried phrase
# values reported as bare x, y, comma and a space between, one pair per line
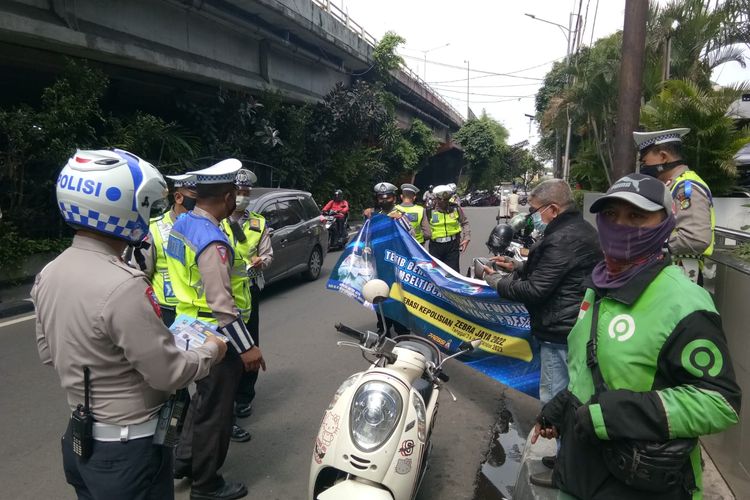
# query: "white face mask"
242, 202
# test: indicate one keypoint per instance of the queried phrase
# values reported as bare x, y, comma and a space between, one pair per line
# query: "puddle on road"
499, 472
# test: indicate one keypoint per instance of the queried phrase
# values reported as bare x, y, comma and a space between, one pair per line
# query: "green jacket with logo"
663, 355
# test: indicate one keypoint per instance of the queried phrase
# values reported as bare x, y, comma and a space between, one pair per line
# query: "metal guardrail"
722, 234
359, 30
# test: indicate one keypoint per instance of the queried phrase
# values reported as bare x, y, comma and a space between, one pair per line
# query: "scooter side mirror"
375, 291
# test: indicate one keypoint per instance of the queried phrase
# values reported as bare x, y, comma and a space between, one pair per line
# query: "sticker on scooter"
319, 452
403, 466
407, 448
329, 427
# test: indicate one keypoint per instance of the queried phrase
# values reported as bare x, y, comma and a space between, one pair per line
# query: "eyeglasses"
532, 209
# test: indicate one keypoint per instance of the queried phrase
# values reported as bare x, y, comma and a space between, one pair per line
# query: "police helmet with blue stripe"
109, 191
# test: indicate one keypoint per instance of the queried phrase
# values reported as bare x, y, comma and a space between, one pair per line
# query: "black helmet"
338, 195
500, 239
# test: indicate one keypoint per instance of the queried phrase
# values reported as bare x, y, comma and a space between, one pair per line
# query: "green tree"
384, 56
483, 140
713, 139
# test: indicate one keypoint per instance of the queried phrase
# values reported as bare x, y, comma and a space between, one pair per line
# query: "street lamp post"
570, 35
468, 79
531, 119
425, 52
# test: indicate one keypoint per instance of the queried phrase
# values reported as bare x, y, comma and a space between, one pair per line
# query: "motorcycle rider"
450, 229
428, 198
96, 313
340, 207
152, 258
692, 241
416, 214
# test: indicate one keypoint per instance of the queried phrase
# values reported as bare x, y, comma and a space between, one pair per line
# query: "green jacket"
663, 355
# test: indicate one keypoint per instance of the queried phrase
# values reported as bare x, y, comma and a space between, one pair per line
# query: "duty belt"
694, 257
124, 433
447, 239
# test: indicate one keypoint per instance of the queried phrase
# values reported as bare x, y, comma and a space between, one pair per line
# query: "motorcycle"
374, 439
335, 240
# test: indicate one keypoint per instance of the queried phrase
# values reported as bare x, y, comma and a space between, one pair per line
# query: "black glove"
553, 412
584, 426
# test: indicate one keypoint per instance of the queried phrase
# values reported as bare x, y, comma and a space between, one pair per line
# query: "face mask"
536, 218
656, 170
242, 202
188, 203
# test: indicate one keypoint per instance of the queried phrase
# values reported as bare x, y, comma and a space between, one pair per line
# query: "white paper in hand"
191, 332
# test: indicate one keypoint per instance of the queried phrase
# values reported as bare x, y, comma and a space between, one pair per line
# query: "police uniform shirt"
215, 267
425, 224
93, 310
265, 250
692, 234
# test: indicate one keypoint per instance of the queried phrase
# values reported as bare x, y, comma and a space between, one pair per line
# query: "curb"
15, 308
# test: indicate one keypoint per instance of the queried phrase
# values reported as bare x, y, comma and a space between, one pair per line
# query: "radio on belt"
82, 422
172, 416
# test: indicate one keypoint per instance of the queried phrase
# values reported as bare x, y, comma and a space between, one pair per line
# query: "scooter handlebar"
340, 327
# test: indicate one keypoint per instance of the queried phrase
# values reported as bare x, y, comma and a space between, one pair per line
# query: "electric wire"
491, 73
496, 74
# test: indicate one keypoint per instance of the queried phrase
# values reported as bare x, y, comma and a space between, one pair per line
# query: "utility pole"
468, 79
631, 77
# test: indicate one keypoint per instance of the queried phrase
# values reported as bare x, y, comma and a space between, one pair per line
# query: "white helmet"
109, 191
442, 191
452, 187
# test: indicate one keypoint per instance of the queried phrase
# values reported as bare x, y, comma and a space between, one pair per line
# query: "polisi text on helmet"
85, 186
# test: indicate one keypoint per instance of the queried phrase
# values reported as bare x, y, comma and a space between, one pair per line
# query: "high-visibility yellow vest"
414, 213
444, 225
687, 180
244, 251
159, 227
190, 236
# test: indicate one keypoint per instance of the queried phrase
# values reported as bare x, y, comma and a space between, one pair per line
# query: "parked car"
298, 237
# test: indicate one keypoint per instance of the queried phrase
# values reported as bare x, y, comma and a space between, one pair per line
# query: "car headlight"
416, 401
375, 411
347, 384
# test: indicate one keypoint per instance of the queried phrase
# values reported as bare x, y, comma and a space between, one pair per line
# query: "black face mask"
188, 203
656, 170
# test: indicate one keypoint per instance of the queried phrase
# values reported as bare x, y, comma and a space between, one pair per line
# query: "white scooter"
374, 440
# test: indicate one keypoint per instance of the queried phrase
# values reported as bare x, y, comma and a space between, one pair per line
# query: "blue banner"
436, 302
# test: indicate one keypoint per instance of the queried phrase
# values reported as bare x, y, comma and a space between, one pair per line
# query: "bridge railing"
727, 237
356, 28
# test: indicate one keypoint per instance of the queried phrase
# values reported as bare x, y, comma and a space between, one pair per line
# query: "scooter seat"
420, 348
424, 388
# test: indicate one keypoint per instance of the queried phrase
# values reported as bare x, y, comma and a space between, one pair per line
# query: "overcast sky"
494, 36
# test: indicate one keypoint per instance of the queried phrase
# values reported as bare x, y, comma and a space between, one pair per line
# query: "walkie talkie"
172, 416
82, 422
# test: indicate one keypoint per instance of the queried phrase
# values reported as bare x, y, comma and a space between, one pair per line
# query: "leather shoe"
542, 479
227, 491
239, 435
549, 461
182, 470
243, 411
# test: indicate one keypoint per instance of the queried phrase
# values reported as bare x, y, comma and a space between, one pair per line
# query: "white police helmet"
443, 192
110, 192
452, 187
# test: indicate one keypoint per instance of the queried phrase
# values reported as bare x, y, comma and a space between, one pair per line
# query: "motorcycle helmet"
338, 195
518, 222
442, 192
500, 239
111, 192
452, 187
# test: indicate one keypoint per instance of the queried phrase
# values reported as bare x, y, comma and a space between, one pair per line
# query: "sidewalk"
14, 298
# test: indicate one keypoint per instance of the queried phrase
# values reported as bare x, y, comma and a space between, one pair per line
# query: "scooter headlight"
375, 411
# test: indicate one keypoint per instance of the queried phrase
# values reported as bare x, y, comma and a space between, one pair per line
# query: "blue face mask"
536, 219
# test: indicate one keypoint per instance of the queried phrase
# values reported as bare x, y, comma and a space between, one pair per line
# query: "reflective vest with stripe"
160, 227
190, 236
244, 251
414, 213
444, 225
688, 180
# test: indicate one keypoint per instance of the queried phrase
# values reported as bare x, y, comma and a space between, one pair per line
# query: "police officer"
415, 213
200, 260
693, 238
385, 203
253, 253
450, 229
94, 311
152, 258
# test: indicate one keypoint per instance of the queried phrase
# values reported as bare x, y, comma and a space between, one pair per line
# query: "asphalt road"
304, 369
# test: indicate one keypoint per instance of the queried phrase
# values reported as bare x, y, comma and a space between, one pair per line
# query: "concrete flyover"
300, 48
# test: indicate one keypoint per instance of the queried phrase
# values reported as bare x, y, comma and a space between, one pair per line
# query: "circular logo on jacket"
701, 357
622, 327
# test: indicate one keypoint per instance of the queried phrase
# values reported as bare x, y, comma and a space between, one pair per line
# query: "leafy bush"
14, 249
